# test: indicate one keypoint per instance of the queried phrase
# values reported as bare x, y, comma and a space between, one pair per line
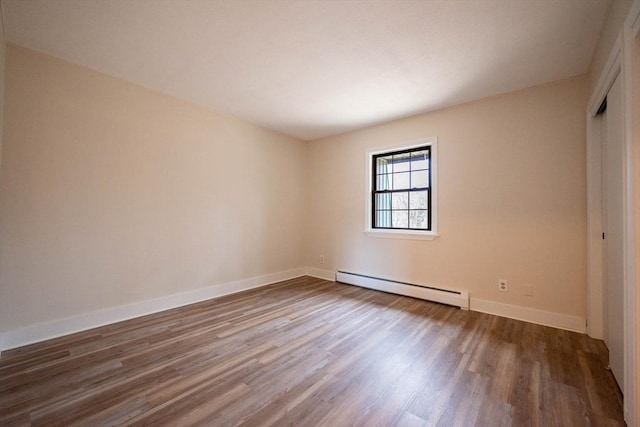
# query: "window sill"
402, 234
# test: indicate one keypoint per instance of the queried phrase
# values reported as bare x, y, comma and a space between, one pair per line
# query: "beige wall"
512, 200
112, 194
612, 27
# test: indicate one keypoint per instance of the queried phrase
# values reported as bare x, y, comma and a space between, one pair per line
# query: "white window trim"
404, 234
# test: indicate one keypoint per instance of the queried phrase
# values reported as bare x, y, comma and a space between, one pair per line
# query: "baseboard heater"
430, 293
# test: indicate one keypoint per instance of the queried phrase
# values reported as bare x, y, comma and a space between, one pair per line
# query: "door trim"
595, 289
624, 58
631, 73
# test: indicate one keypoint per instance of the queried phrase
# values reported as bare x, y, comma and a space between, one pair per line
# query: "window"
402, 191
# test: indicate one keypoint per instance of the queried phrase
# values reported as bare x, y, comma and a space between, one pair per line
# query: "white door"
612, 214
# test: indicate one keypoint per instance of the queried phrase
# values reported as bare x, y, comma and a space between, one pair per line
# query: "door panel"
612, 200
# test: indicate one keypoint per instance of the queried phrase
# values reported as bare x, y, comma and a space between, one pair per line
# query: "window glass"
402, 193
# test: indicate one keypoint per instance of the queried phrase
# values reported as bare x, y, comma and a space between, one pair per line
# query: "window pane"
400, 181
383, 165
385, 182
402, 189
401, 162
400, 200
418, 200
383, 201
400, 219
419, 160
420, 179
418, 219
383, 219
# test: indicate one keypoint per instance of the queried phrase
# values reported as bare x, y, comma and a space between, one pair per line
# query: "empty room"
320, 213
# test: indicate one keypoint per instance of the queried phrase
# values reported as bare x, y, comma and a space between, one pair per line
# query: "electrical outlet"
527, 290
321, 259
502, 285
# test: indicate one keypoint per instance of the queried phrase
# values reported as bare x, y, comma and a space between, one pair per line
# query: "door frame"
631, 74
624, 59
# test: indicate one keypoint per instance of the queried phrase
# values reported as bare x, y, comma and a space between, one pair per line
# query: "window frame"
403, 233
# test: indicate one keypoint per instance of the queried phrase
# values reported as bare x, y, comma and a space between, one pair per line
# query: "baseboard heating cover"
430, 293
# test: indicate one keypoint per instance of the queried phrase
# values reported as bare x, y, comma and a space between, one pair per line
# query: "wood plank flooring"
312, 353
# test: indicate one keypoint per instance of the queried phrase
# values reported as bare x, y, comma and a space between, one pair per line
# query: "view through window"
401, 196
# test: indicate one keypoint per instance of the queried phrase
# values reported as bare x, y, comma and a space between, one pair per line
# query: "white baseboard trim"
57, 328
321, 274
44, 331
531, 315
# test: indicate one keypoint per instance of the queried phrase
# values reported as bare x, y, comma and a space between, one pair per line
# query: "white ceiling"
316, 68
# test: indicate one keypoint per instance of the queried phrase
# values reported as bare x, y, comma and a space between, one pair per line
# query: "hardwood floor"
313, 353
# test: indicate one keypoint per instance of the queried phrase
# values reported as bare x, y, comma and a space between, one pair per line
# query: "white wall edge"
44, 331
531, 315
321, 274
